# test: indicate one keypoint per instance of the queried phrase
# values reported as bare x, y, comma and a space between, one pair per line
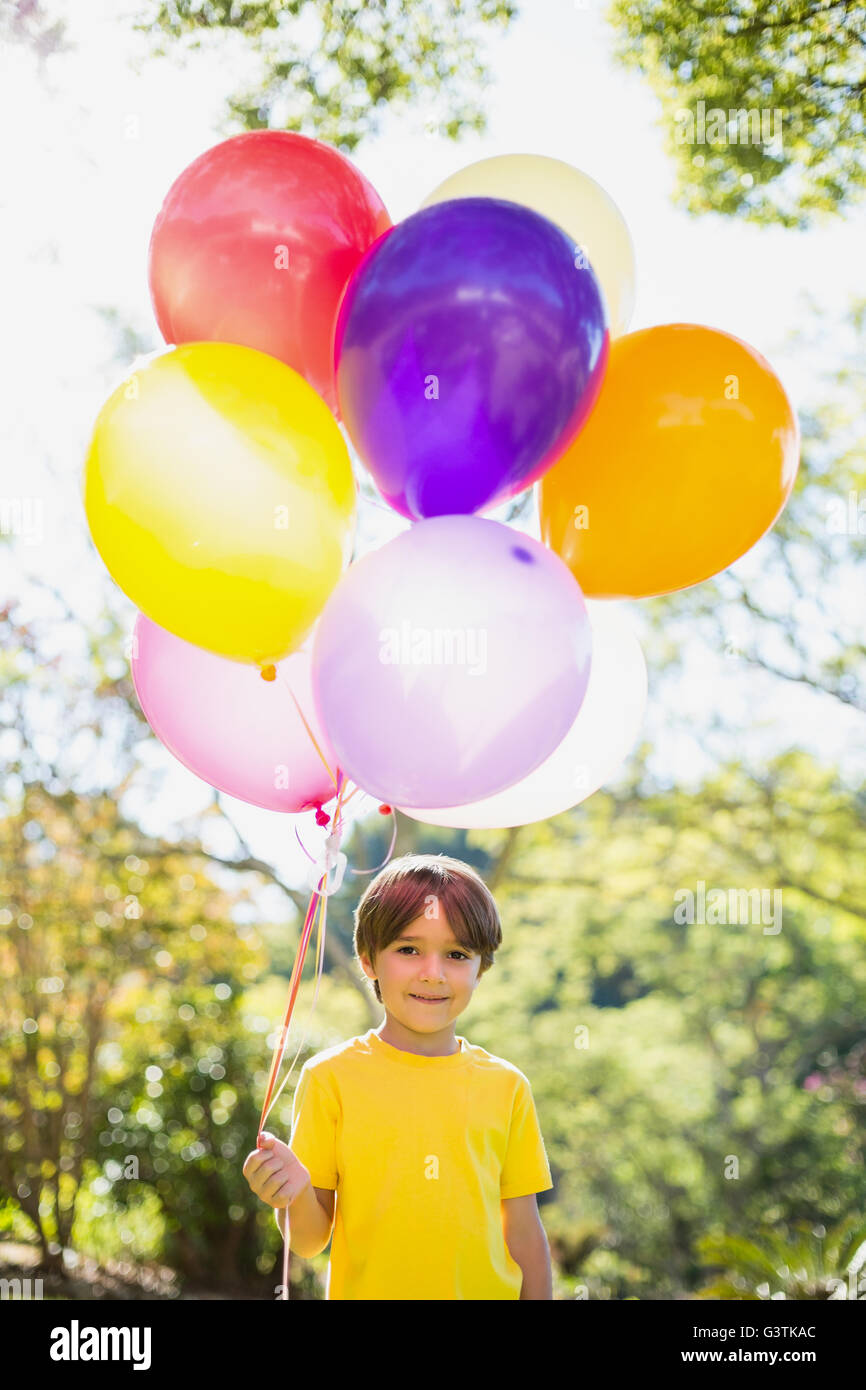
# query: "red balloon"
255, 243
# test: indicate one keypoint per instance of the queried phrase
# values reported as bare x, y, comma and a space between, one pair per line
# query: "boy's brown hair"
405, 889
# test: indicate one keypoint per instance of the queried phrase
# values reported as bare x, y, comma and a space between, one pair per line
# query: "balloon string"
282, 1037
335, 780
320, 957
321, 909
317, 910
310, 732
383, 507
287, 1238
387, 856
316, 898
303, 846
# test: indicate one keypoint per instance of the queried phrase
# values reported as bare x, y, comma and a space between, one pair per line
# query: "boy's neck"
440, 1044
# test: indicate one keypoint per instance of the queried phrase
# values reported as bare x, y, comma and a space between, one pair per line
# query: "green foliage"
90, 934
816, 1264
659, 1051
106, 1229
328, 68
803, 58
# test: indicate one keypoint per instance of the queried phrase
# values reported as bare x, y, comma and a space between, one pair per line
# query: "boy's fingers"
272, 1166
259, 1155
272, 1186
269, 1167
259, 1165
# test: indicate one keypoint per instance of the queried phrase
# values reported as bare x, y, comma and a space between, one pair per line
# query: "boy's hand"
274, 1173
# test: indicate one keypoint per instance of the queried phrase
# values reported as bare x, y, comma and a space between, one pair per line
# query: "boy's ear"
367, 967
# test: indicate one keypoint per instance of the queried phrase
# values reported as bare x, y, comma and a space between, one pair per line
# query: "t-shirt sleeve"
525, 1168
315, 1116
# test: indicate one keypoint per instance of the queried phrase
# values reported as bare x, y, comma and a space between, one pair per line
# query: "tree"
802, 59
688, 1072
84, 921
329, 68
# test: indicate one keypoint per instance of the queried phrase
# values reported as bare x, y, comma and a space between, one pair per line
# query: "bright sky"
95, 140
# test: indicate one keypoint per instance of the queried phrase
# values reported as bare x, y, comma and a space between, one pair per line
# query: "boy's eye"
461, 954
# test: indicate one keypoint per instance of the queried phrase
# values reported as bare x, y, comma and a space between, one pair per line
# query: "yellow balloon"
219, 493
572, 200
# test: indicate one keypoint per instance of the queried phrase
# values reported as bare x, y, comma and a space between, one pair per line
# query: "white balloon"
598, 742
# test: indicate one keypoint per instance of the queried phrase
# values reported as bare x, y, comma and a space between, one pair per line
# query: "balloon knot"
384, 809
322, 817
268, 673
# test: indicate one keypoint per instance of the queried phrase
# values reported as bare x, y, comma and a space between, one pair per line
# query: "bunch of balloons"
463, 672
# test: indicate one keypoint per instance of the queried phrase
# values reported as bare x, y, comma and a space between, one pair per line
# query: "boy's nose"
432, 971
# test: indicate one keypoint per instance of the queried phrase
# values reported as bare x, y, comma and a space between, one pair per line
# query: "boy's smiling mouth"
430, 998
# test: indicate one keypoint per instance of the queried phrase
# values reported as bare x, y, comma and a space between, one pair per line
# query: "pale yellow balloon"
219, 493
571, 199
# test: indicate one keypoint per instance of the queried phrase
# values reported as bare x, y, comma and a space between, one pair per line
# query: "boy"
430, 1144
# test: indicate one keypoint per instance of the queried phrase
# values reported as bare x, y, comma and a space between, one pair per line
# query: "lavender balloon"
449, 663
470, 348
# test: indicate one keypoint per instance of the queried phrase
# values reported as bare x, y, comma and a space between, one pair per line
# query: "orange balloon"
687, 459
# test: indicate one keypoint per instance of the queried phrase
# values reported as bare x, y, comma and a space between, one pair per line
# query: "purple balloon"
451, 662
470, 348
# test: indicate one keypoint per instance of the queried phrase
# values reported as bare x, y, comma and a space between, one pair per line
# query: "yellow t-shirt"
420, 1151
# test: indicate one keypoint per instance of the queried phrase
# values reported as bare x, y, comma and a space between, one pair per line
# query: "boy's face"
425, 959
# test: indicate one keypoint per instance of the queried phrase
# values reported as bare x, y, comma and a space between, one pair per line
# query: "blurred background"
701, 1086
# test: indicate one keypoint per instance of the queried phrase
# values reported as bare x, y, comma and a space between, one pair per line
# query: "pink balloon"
240, 733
